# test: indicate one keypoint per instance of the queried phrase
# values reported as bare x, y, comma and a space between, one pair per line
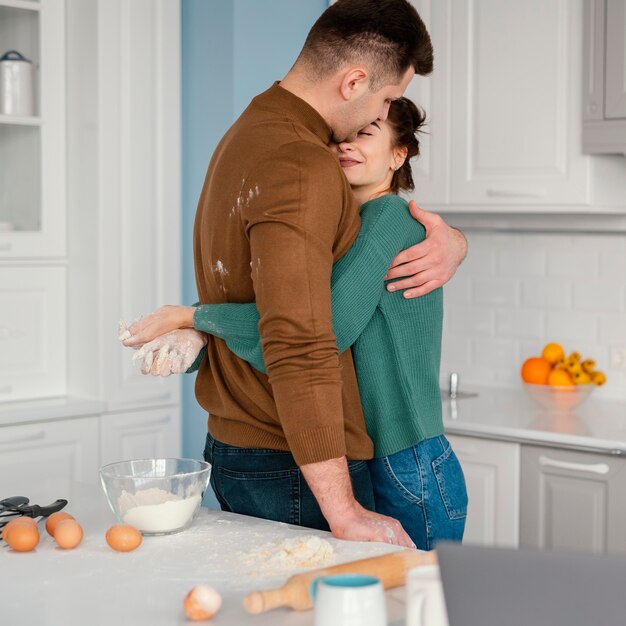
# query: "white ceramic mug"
425, 604
349, 600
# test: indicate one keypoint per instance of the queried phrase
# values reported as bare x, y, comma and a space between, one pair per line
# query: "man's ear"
354, 82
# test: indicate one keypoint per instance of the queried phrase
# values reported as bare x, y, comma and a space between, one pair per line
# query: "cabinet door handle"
38, 436
594, 468
512, 193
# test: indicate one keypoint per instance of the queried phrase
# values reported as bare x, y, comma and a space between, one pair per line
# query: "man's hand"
430, 263
160, 322
364, 525
172, 353
330, 483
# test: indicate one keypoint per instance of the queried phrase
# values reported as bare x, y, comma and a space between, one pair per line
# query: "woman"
396, 342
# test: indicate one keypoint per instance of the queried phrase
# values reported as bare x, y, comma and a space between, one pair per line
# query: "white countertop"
93, 585
511, 414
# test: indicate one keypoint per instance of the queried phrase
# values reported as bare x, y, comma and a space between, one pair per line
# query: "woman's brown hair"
406, 120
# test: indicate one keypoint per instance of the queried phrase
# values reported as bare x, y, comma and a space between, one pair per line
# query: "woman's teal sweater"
396, 342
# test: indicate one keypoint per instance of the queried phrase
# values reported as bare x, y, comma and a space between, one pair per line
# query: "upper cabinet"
604, 96
503, 107
32, 129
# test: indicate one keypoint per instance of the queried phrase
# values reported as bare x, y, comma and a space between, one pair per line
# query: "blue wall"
231, 51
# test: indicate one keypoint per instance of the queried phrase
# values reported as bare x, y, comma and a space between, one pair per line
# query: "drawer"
45, 461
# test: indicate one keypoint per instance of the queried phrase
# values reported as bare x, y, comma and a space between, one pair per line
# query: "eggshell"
202, 603
23, 537
18, 521
68, 534
123, 538
54, 519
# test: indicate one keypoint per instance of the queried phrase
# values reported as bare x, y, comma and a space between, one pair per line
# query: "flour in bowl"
157, 511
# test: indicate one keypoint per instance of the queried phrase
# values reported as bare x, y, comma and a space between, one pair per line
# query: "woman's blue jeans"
268, 484
424, 489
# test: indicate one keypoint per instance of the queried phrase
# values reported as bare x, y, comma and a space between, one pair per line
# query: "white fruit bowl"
560, 399
156, 496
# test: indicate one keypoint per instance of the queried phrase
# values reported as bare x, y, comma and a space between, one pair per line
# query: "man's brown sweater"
275, 213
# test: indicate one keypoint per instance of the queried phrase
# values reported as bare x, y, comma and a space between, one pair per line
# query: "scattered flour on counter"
156, 511
299, 552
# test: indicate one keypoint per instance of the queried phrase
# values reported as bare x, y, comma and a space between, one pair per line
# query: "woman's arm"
356, 287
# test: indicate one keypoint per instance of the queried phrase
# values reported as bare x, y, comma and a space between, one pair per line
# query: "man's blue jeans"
268, 484
423, 487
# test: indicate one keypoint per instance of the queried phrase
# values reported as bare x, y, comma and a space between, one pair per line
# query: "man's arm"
330, 483
292, 234
431, 263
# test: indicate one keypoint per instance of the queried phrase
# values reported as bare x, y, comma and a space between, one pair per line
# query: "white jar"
16, 85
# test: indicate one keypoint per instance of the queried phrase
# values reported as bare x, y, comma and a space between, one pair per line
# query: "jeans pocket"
271, 495
451, 482
403, 471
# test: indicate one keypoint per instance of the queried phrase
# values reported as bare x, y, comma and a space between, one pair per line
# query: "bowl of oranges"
560, 382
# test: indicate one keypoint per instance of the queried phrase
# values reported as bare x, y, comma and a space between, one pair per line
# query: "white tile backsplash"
518, 291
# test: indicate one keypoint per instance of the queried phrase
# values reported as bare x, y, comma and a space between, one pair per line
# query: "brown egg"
123, 538
54, 519
18, 521
68, 534
201, 603
23, 537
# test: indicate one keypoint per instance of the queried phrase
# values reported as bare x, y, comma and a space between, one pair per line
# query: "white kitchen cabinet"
124, 204
153, 433
604, 95
32, 332
119, 75
32, 148
573, 501
492, 475
505, 113
44, 461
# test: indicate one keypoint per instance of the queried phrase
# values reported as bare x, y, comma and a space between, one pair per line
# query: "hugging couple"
317, 335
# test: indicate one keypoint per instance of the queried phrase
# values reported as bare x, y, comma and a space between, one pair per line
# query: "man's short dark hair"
388, 36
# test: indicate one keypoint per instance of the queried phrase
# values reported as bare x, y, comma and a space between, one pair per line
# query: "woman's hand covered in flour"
160, 322
172, 353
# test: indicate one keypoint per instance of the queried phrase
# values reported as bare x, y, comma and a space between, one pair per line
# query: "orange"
553, 353
560, 378
535, 371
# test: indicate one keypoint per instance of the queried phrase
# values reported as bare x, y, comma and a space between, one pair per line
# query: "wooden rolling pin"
390, 568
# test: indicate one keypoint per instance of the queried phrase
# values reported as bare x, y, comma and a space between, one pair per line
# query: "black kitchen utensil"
13, 501
18, 506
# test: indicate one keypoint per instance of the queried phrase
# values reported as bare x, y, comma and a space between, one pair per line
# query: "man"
275, 213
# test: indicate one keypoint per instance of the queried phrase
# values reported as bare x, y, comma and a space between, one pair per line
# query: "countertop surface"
94, 585
598, 425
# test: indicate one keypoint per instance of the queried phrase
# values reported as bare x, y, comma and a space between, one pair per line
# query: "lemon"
598, 378
588, 365
573, 367
575, 357
581, 378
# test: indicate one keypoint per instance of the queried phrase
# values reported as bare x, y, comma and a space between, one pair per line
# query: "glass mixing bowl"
156, 496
